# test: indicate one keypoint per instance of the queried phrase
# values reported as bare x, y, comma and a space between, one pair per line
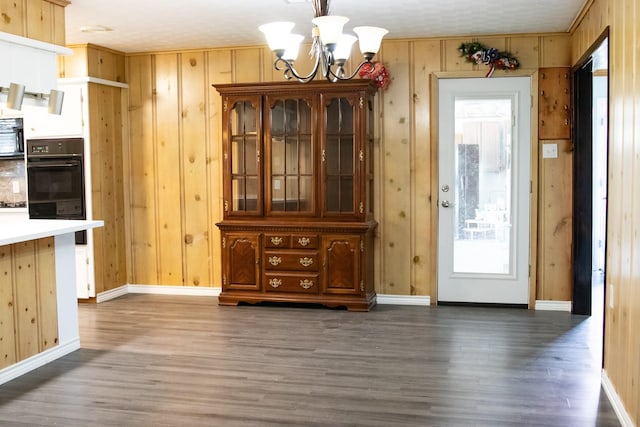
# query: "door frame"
582, 141
435, 141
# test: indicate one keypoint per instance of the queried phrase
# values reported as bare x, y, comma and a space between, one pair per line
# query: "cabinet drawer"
288, 282
276, 240
289, 260
304, 241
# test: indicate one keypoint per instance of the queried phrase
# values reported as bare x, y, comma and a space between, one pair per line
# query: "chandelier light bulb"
343, 48
293, 47
370, 39
330, 29
277, 34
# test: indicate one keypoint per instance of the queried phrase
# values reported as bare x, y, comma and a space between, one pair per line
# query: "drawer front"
276, 240
288, 260
304, 241
288, 282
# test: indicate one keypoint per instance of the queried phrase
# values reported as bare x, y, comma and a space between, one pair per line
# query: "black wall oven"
55, 180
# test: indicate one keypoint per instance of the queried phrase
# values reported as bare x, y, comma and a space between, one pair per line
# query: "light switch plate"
549, 151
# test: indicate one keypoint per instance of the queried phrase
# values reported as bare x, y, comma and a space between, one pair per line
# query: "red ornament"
376, 71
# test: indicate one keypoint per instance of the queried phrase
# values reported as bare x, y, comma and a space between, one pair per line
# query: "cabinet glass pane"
306, 156
346, 155
238, 190
339, 156
277, 156
251, 156
346, 194
244, 156
237, 155
243, 118
291, 155
306, 184
333, 194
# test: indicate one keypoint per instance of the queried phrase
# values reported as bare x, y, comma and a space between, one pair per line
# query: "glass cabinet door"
243, 159
339, 156
290, 170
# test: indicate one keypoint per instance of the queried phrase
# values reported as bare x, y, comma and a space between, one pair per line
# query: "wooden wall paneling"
197, 228
169, 179
452, 61
395, 230
633, 32
621, 342
142, 171
105, 63
554, 88
219, 65
26, 299
59, 26
426, 59
100, 175
526, 49
555, 223
40, 19
75, 65
556, 51
47, 302
12, 17
118, 125
107, 185
7, 309
247, 65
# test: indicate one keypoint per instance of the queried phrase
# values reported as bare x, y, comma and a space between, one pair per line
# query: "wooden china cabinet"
298, 184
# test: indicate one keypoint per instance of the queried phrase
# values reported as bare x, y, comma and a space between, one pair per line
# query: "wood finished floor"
149, 360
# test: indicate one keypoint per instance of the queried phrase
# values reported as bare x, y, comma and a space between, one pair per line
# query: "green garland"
477, 53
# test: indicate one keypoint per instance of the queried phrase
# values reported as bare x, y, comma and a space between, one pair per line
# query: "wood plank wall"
174, 152
36, 19
622, 307
28, 305
106, 124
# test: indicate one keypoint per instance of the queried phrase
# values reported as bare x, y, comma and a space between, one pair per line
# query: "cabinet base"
350, 303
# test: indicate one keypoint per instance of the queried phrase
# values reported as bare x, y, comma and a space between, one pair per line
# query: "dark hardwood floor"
149, 360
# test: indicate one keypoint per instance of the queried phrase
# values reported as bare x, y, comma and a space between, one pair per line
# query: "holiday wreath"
477, 53
377, 72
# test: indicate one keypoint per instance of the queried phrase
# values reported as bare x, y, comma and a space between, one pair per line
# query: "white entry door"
484, 190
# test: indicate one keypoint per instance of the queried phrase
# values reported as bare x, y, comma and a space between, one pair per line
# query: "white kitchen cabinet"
39, 123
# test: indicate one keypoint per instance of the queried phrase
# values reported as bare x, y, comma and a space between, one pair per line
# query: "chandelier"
330, 46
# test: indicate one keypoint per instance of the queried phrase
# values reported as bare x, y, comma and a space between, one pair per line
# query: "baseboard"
386, 299
38, 360
112, 293
544, 305
616, 402
174, 290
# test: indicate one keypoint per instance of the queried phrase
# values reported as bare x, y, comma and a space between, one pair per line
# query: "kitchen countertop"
22, 230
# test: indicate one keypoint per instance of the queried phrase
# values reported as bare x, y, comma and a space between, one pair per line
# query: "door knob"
445, 203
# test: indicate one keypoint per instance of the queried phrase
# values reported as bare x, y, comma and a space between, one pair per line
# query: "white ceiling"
154, 25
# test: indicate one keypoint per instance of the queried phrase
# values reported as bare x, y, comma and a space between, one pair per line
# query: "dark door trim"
582, 139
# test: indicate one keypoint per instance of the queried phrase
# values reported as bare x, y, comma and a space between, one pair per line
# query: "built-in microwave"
11, 138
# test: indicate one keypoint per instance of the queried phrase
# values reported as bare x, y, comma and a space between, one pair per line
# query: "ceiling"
158, 25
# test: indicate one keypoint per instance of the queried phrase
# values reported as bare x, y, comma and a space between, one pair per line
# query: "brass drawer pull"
304, 241
306, 261
276, 241
306, 283
275, 282
275, 260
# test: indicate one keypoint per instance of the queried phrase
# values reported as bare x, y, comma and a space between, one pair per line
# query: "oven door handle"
52, 164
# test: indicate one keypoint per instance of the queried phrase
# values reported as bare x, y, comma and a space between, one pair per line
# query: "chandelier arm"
290, 71
336, 77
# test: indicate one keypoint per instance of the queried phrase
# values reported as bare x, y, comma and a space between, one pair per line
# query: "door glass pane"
483, 182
